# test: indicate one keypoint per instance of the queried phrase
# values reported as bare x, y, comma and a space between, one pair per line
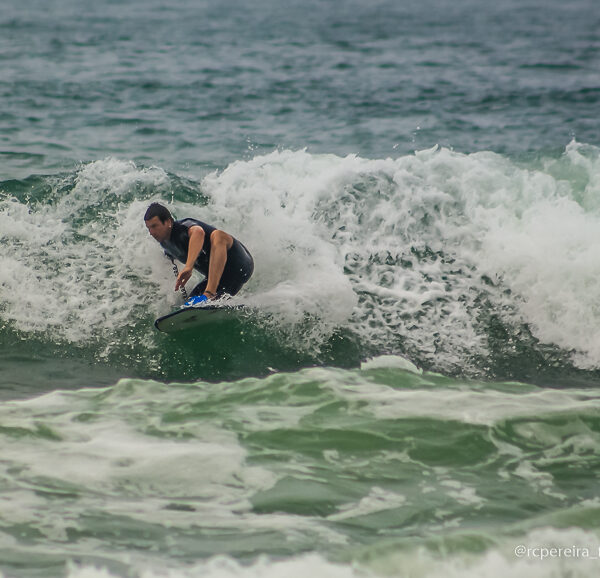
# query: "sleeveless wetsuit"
238, 267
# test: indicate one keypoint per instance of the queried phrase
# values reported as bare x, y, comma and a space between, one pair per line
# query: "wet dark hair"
157, 210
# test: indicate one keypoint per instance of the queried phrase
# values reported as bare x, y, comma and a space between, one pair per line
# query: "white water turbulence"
427, 243
73, 264
88, 265
412, 255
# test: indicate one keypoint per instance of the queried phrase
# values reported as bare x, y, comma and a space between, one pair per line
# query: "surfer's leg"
238, 269
221, 289
199, 289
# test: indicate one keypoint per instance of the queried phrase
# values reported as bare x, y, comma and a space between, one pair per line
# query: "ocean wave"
372, 471
462, 263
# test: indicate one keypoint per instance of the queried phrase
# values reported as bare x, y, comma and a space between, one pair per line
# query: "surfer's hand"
183, 278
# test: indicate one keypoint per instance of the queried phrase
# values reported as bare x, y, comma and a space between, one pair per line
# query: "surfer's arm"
220, 243
196, 234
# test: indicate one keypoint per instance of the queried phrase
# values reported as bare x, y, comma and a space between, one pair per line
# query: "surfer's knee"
221, 238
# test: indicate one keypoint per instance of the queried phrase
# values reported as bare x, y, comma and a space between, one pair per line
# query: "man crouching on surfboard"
225, 263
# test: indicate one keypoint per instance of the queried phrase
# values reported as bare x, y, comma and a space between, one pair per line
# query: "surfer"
225, 263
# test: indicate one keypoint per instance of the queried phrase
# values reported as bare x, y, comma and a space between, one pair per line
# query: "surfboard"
202, 315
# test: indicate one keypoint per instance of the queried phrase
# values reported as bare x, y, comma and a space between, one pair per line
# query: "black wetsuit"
238, 267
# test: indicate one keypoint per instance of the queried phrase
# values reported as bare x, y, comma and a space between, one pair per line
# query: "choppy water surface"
413, 391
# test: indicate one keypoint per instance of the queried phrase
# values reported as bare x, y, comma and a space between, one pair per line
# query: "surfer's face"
159, 230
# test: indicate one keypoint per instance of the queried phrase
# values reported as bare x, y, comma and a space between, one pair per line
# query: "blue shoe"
196, 300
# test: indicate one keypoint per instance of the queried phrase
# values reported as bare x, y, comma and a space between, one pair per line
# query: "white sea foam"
407, 253
225, 567
418, 238
272, 204
377, 500
543, 240
540, 553
484, 405
75, 268
98, 444
390, 362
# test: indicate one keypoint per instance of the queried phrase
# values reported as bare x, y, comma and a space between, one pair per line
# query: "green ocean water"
410, 412
383, 470
413, 390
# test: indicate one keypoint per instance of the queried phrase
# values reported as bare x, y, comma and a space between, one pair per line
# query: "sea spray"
458, 262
